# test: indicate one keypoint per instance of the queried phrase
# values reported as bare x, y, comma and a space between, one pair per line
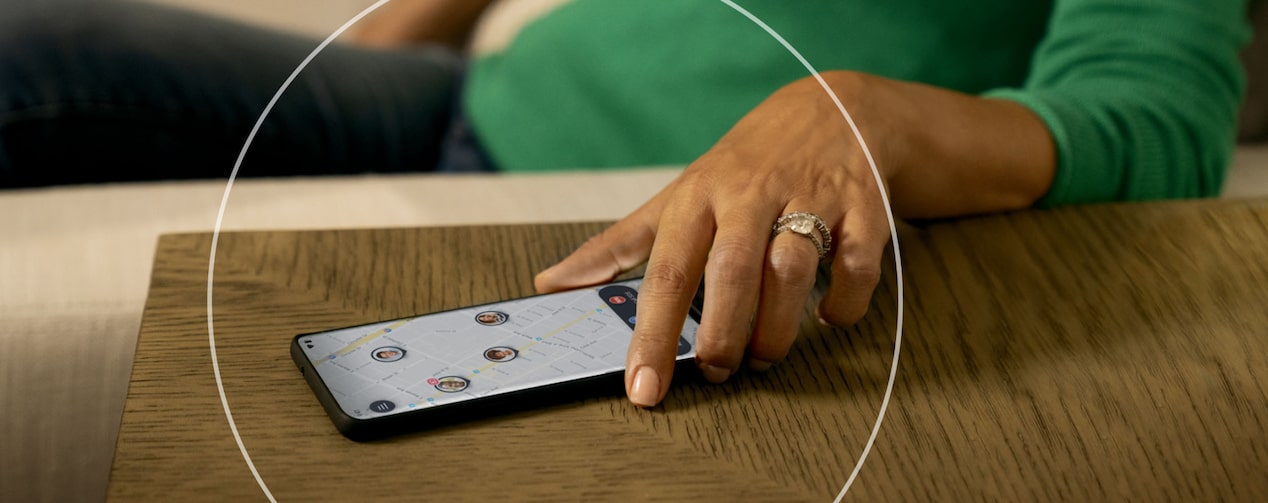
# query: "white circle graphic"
233, 175
893, 236
215, 237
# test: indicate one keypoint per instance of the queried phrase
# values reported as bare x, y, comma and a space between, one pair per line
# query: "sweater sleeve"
1140, 96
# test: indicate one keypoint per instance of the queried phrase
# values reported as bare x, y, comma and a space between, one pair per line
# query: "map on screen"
412, 363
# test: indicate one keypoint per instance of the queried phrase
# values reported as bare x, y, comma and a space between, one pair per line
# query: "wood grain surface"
1102, 353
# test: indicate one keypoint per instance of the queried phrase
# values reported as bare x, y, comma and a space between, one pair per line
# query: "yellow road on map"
362, 340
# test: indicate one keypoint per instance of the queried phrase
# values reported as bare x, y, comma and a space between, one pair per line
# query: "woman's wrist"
945, 153
398, 24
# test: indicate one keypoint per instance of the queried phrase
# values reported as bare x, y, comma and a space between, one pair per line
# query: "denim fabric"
123, 91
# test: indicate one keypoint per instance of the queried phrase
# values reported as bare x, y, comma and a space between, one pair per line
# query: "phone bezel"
367, 429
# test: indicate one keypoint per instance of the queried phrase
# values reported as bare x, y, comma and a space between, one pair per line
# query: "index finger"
669, 285
603, 257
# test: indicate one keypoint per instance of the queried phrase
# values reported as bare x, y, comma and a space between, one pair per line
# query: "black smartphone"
437, 369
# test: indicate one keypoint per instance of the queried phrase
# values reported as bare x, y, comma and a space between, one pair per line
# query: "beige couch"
74, 265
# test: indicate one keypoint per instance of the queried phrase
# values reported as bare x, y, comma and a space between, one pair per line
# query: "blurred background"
317, 18
74, 261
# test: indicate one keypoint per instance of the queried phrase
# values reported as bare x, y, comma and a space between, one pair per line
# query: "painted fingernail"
758, 365
715, 375
646, 389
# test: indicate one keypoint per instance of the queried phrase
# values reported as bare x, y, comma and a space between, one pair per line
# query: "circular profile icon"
452, 384
616, 299
382, 406
492, 318
387, 354
500, 354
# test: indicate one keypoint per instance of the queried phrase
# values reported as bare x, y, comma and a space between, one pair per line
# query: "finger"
673, 275
733, 278
856, 264
617, 249
787, 281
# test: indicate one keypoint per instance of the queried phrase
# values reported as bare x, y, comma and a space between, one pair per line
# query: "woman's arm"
1126, 100
405, 22
1141, 97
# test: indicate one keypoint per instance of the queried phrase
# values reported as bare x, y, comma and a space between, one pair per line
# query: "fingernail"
758, 365
715, 375
824, 322
646, 389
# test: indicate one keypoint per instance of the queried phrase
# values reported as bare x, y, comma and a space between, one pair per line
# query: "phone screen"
403, 365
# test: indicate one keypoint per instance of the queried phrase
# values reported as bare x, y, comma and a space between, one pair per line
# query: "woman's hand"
795, 153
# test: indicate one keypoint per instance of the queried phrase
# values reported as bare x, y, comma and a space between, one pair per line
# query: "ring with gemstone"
807, 225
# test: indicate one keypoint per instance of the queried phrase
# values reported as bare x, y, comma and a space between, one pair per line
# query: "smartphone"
437, 369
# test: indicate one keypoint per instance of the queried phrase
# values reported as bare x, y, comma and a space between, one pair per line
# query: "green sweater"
1140, 96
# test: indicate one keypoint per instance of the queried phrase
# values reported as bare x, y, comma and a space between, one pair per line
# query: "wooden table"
1100, 353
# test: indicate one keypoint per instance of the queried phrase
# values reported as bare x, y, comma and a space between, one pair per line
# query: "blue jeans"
125, 91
